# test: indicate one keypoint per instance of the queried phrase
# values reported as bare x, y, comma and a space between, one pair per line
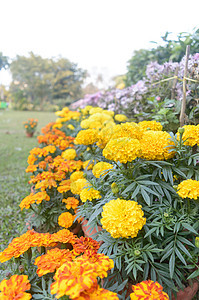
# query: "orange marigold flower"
97, 293
71, 202
148, 289
42, 165
51, 261
64, 186
34, 198
84, 244
72, 278
66, 220
19, 245
101, 262
14, 288
31, 168
63, 236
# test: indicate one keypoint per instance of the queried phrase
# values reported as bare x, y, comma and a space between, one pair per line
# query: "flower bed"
137, 188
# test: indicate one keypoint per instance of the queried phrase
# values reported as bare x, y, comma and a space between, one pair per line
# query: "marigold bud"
137, 252
197, 242
21, 269
181, 130
114, 188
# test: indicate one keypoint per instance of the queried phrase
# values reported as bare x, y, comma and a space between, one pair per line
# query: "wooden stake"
183, 105
174, 83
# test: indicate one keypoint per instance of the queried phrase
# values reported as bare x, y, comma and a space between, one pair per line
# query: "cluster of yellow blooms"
56, 169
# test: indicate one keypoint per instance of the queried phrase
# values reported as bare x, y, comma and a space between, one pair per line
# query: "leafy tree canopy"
41, 81
3, 61
170, 50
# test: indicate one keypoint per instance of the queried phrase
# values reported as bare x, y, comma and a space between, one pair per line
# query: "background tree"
42, 83
170, 50
3, 61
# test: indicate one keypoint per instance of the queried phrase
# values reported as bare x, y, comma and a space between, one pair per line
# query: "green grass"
14, 151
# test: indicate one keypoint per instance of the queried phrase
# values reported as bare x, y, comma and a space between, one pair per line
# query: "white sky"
98, 35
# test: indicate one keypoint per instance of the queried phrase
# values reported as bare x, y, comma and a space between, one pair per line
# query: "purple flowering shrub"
153, 97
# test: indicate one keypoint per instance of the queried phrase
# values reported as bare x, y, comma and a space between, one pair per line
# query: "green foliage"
170, 50
38, 82
164, 249
13, 180
3, 61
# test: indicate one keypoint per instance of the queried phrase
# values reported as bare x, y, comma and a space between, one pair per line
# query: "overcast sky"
98, 35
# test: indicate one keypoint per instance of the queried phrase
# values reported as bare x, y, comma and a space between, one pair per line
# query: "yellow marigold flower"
128, 129
120, 118
122, 149
86, 109
190, 135
154, 145
72, 278
100, 168
95, 110
14, 288
71, 127
78, 185
188, 189
71, 202
87, 165
66, 220
150, 125
51, 261
105, 135
89, 193
122, 218
97, 293
148, 290
76, 175
86, 137
57, 125
69, 154
109, 112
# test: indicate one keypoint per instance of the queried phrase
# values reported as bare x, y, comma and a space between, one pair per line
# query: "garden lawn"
14, 151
